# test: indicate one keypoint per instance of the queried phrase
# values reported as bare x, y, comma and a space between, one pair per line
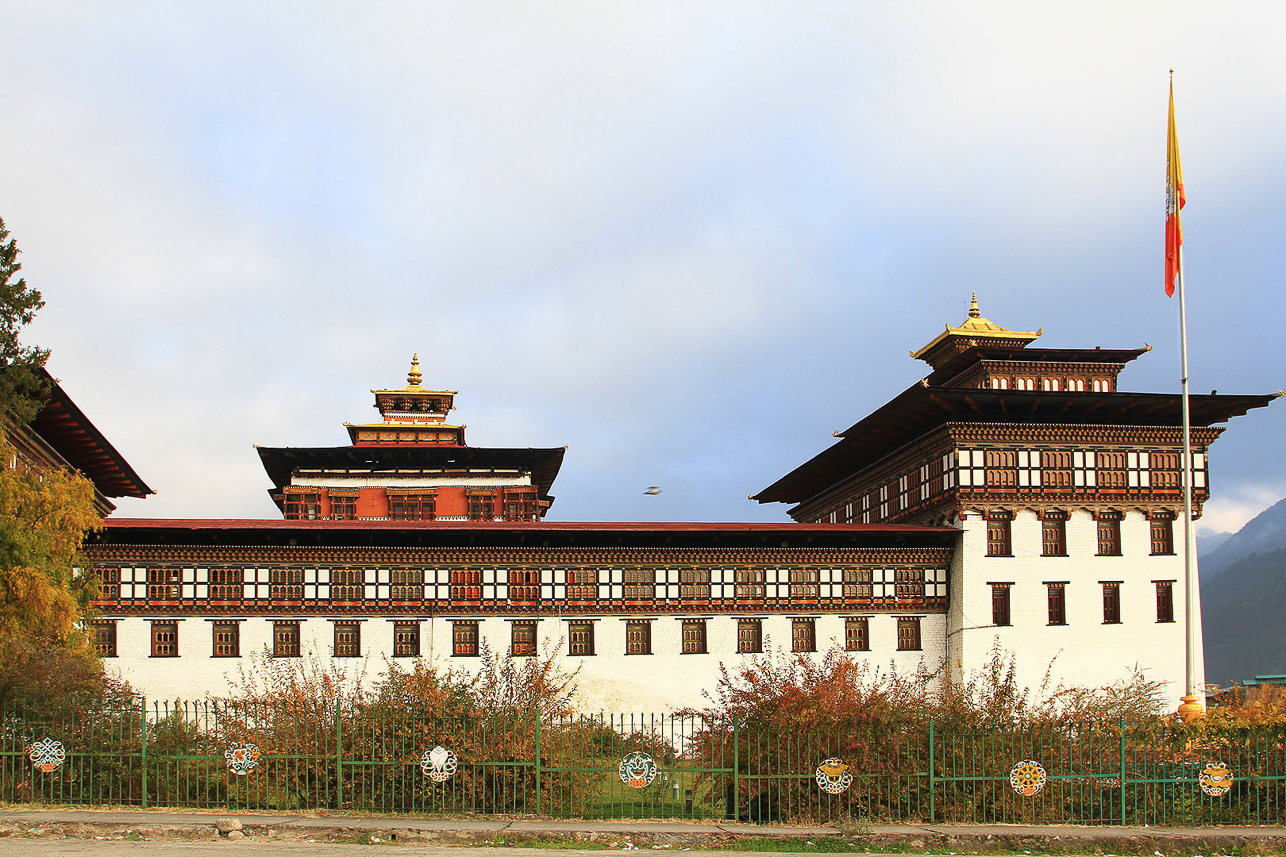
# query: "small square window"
694, 636
406, 639
857, 634
638, 638
750, 636
285, 639
464, 639
165, 639
227, 640
522, 636
343, 507
803, 635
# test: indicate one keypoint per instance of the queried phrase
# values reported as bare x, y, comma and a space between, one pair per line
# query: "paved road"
10, 847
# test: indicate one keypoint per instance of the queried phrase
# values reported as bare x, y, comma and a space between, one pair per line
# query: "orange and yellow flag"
1174, 200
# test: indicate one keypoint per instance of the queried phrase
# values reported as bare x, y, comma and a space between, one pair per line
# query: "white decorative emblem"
439, 764
1027, 778
242, 758
47, 755
1215, 779
834, 776
638, 770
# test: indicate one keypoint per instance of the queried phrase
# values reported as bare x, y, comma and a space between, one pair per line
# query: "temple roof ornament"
975, 330
413, 378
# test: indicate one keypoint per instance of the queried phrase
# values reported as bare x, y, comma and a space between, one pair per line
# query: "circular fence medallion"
47, 755
242, 758
1027, 778
439, 764
833, 776
638, 770
1215, 779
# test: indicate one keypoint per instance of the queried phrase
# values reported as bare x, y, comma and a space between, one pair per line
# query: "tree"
44, 515
22, 388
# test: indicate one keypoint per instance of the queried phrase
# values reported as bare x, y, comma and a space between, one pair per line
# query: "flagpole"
1191, 706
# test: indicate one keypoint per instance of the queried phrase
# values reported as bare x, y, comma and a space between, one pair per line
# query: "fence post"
537, 764
932, 784
1122, 771
736, 770
339, 757
142, 733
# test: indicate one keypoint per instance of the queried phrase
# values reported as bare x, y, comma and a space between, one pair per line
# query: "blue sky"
688, 240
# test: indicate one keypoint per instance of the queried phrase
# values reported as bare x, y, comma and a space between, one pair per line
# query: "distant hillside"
1265, 532
1208, 542
1241, 617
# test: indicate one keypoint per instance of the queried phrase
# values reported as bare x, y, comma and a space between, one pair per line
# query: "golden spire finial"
413, 378
973, 307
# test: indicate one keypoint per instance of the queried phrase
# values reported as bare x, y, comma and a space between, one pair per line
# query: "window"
582, 584
111, 583
1055, 469
482, 506
227, 640
343, 507
857, 634
1000, 603
908, 633
1162, 528
1166, 472
750, 636
285, 639
750, 583
1111, 469
638, 638
908, 583
406, 639
1053, 534
464, 639
407, 584
522, 639
694, 583
348, 640
1056, 598
287, 584
640, 585
1109, 534
521, 506
694, 636
163, 584
857, 583
1165, 600
1002, 468
1111, 603
165, 639
346, 584
998, 538
803, 635
804, 583
411, 507
226, 584
580, 638
301, 505
105, 638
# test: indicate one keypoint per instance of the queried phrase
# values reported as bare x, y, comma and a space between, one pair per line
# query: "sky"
687, 240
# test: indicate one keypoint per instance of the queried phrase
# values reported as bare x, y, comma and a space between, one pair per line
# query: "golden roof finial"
973, 307
413, 378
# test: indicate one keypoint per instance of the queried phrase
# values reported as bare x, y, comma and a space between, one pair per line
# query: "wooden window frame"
225, 639
105, 638
580, 638
1161, 534
411, 507
302, 505
1053, 534
1000, 540
694, 637
163, 584
909, 639
857, 634
343, 507
348, 639
1109, 535
286, 640
638, 637
466, 639
1165, 600
165, 638
1056, 603
1000, 604
1111, 603
750, 636
523, 638
482, 506
406, 639
803, 634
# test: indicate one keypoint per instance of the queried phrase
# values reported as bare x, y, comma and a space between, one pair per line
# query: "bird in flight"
653, 489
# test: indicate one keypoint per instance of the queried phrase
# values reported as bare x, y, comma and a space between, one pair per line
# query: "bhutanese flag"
1173, 202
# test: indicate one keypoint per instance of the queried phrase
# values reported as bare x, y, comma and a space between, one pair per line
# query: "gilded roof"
975, 327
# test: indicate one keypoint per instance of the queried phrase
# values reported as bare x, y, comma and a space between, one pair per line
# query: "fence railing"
309, 756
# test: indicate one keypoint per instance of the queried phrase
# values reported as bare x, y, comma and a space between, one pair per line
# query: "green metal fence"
309, 756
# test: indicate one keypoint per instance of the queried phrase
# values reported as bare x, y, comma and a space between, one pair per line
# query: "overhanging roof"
542, 464
922, 409
69, 432
965, 359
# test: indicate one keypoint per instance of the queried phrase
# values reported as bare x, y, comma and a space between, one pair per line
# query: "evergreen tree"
22, 387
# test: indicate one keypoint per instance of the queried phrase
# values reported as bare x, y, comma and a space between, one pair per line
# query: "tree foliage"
21, 386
